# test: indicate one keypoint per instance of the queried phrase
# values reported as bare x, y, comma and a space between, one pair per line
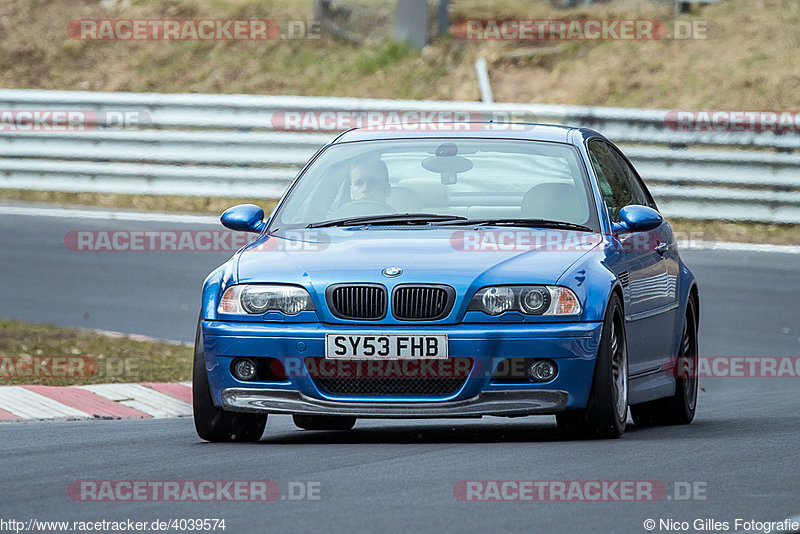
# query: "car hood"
460, 257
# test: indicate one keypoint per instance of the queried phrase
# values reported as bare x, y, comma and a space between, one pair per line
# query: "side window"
611, 178
638, 193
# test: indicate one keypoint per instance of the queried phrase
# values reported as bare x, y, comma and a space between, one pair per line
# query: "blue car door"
649, 288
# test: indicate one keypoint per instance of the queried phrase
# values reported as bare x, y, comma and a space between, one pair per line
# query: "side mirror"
637, 218
243, 218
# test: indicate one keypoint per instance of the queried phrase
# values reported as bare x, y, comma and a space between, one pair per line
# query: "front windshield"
472, 178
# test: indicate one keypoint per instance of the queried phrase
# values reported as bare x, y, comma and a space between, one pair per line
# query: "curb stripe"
176, 391
99, 401
29, 405
86, 401
143, 399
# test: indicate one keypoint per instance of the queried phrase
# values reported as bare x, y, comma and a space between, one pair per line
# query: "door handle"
661, 248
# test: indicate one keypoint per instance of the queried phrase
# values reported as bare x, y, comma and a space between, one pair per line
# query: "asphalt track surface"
741, 452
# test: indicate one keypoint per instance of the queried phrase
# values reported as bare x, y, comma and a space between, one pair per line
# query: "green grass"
70, 356
737, 68
383, 56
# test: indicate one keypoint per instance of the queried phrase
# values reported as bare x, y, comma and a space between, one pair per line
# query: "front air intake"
422, 302
360, 302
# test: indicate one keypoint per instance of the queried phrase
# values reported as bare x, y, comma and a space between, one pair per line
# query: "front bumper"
500, 403
573, 346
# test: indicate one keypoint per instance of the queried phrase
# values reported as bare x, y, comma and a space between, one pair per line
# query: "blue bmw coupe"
451, 272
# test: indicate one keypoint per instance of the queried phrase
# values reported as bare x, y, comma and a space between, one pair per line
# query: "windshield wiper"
534, 223
395, 218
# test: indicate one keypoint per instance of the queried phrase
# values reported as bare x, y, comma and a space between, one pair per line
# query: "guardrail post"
412, 22
483, 81
442, 18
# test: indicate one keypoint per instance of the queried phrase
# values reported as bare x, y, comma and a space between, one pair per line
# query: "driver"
369, 180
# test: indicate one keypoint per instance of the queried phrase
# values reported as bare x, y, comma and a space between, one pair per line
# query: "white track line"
738, 247
143, 399
76, 213
139, 337
212, 220
29, 405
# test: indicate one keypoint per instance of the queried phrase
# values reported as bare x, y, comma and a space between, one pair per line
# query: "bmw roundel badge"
392, 271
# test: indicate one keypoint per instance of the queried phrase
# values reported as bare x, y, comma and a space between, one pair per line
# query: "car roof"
475, 130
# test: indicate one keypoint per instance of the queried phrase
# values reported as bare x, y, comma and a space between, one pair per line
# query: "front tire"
678, 409
212, 423
607, 410
324, 422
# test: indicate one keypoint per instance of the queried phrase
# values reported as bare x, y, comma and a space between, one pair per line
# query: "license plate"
386, 346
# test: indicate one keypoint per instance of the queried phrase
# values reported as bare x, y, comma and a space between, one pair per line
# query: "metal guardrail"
228, 145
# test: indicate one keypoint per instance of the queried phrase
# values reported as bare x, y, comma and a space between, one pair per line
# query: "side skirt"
650, 386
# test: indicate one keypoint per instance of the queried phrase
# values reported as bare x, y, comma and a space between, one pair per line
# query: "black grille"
358, 301
422, 302
368, 381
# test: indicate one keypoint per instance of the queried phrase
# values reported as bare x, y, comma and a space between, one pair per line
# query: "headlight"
530, 300
258, 299
496, 300
535, 300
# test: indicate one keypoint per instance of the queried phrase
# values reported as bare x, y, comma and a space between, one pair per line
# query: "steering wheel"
364, 206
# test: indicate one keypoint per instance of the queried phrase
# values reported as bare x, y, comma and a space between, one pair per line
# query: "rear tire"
324, 422
607, 410
212, 423
678, 409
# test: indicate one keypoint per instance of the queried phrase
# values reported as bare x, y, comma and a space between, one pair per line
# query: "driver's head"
369, 180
